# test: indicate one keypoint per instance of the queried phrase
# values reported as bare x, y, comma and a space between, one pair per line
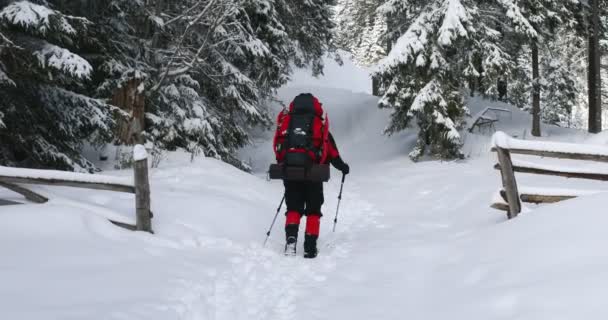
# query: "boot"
310, 246
290, 246
313, 222
291, 237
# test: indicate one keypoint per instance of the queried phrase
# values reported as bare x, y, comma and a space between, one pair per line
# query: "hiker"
303, 140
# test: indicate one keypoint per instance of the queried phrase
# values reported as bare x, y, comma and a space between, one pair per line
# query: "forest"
209, 68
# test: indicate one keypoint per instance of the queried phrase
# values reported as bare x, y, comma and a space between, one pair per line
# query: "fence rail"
505, 147
13, 178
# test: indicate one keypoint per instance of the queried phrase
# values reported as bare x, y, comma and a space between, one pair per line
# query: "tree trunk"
535, 91
503, 88
375, 86
390, 33
594, 74
133, 102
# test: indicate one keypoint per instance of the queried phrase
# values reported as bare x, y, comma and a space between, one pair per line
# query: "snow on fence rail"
69, 179
139, 185
512, 197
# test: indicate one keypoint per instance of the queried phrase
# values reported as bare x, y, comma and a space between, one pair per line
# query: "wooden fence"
512, 197
12, 178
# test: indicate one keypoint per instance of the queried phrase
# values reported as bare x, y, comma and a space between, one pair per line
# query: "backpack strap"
325, 141
279, 147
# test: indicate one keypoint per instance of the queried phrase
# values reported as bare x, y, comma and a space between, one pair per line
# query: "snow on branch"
448, 21
455, 16
5, 80
39, 18
408, 46
63, 60
432, 94
27, 15
522, 24
502, 140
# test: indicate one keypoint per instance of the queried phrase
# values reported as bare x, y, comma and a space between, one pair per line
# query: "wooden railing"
12, 178
512, 197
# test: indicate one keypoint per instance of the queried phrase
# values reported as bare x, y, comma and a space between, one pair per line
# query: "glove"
339, 164
346, 169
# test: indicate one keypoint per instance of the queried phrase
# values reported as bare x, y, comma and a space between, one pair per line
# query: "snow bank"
547, 264
64, 260
599, 139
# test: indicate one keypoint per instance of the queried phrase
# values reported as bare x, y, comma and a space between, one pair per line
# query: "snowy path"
263, 284
397, 221
415, 241
390, 239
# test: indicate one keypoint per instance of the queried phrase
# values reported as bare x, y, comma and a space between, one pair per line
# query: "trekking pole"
274, 220
339, 200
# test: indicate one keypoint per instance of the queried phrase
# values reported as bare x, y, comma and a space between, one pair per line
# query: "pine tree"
541, 19
361, 30
561, 85
448, 44
210, 65
45, 112
207, 66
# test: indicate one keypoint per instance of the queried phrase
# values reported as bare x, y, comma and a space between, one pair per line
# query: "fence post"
142, 189
509, 182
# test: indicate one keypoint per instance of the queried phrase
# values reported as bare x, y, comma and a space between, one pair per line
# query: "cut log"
28, 194
66, 183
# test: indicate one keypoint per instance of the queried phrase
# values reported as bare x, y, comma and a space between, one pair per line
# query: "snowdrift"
64, 260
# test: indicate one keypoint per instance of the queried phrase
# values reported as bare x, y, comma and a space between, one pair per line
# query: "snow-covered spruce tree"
45, 116
444, 48
581, 10
209, 65
561, 41
361, 29
562, 78
538, 26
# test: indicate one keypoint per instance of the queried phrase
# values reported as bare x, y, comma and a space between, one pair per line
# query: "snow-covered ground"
415, 241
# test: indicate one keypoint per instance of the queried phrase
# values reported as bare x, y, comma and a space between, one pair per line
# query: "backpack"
302, 133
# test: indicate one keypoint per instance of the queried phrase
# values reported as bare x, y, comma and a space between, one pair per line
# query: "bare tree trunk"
594, 74
535, 91
390, 29
131, 100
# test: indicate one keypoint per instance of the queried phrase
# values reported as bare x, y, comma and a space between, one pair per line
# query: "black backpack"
299, 142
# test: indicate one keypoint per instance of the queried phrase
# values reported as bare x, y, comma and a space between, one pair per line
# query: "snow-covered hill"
415, 241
